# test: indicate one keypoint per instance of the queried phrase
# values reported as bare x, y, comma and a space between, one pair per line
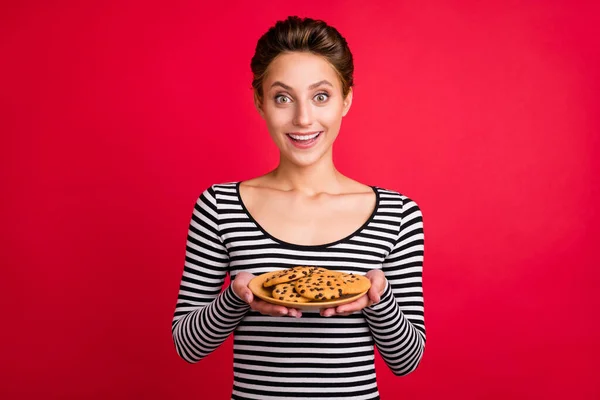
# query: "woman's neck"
321, 177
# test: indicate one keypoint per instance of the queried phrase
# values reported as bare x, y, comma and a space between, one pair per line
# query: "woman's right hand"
240, 287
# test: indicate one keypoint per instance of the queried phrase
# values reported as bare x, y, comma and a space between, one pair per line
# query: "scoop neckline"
310, 246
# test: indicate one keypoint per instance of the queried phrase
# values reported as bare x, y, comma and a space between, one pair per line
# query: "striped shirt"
309, 357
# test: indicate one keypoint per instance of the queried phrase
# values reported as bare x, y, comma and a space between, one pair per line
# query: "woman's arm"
204, 316
397, 320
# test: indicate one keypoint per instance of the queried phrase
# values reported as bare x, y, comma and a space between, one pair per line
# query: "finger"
350, 307
377, 286
243, 292
269, 309
248, 295
374, 294
294, 312
276, 311
356, 305
240, 286
328, 312
243, 278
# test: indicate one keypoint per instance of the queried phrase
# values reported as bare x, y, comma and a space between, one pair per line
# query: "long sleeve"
204, 316
397, 321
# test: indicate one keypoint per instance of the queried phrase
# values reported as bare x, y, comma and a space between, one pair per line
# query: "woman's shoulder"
213, 192
392, 194
224, 186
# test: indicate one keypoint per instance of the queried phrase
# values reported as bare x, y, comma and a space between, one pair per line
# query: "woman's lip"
305, 144
303, 133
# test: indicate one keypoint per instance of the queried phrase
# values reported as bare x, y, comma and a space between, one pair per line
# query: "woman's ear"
258, 105
347, 102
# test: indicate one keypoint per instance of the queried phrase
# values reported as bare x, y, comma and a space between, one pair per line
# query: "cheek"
330, 117
278, 118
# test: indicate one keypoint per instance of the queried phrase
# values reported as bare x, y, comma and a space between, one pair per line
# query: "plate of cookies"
307, 287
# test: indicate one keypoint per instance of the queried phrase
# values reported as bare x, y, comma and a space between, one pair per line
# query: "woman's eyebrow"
314, 85
323, 82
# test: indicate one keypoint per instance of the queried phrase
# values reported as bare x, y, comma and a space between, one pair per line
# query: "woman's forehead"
300, 71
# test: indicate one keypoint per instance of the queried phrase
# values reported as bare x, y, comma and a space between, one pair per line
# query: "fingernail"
247, 297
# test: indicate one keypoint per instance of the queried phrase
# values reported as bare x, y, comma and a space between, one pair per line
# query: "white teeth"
305, 137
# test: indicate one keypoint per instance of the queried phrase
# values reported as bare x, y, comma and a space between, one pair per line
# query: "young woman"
304, 212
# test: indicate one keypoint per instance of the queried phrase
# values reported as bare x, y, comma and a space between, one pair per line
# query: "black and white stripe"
310, 357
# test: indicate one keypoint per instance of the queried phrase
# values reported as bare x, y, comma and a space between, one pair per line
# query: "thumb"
241, 284
378, 282
248, 296
244, 293
374, 294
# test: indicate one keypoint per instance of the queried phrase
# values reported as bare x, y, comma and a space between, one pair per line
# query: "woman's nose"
303, 116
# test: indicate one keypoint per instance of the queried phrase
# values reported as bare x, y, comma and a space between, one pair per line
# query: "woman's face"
303, 106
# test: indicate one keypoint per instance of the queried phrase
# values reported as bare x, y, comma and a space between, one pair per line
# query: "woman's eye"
281, 99
321, 97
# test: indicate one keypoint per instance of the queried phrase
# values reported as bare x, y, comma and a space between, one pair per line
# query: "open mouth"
304, 140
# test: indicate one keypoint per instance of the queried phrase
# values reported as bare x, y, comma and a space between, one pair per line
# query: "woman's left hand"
378, 281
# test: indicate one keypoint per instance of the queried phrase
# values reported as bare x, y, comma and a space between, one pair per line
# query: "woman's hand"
240, 287
378, 281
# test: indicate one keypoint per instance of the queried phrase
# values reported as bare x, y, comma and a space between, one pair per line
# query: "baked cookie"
291, 274
287, 275
320, 287
354, 283
286, 292
327, 273
319, 270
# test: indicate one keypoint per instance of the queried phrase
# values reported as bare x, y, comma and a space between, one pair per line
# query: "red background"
116, 115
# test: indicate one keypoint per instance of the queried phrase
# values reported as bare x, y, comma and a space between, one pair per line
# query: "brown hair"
302, 34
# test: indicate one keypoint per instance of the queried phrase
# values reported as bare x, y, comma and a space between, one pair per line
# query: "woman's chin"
304, 160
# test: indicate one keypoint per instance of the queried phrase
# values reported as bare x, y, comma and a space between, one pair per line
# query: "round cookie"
286, 275
319, 287
354, 284
286, 292
319, 270
327, 273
